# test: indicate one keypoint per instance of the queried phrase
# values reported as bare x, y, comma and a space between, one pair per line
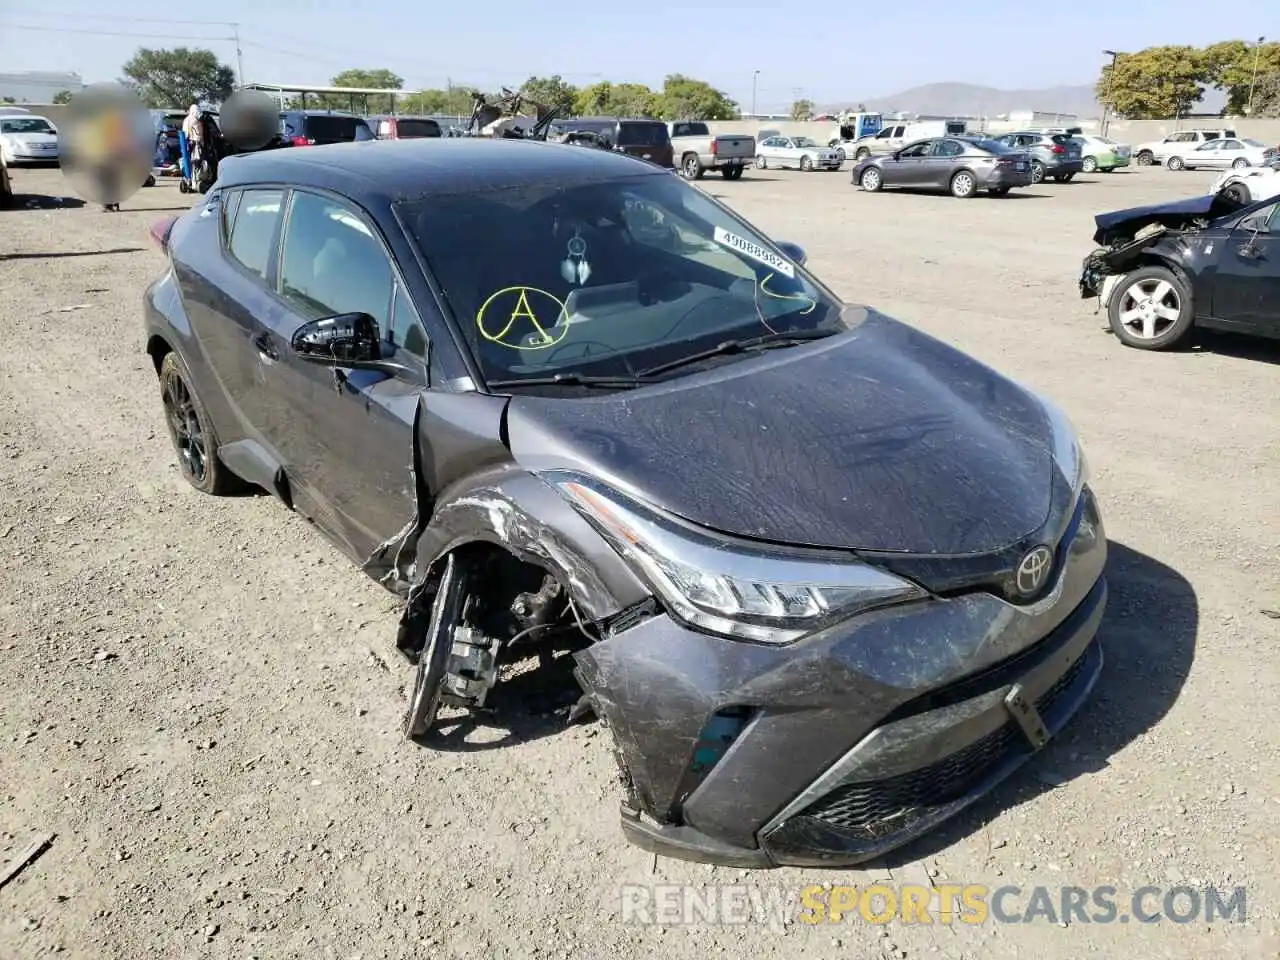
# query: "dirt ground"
202, 698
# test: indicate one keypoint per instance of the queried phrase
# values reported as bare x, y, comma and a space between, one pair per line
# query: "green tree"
802, 110
617, 100
178, 77
684, 98
369, 80
1158, 82
552, 92
62, 96
1266, 95
1230, 65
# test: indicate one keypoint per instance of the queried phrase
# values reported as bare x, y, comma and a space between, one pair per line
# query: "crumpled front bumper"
850, 742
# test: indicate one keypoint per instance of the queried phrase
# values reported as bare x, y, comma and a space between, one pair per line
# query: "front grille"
871, 810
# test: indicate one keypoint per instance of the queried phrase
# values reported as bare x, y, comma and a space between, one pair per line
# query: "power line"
117, 18
115, 33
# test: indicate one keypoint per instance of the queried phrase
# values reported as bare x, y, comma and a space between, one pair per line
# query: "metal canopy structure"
285, 90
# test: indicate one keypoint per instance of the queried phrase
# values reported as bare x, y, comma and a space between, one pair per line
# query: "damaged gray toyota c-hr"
825, 579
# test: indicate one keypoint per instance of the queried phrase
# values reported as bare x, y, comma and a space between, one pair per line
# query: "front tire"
1240, 164
871, 180
446, 613
762, 163
1174, 163
691, 167
1151, 309
1239, 193
194, 439
806, 164
840, 156
1089, 165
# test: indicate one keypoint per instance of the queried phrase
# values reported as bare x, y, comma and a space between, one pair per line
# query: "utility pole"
755, 80
1257, 51
235, 33
1115, 55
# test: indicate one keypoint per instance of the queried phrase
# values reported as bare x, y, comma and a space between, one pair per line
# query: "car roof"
393, 170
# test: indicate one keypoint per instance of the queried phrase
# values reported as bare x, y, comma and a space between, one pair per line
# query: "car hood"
1208, 206
880, 439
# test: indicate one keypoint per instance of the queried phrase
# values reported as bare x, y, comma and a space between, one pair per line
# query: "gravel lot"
202, 696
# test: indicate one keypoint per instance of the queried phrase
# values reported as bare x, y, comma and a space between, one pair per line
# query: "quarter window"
254, 228
406, 329
332, 262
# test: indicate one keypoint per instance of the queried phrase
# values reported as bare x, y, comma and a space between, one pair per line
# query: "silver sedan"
800, 152
962, 166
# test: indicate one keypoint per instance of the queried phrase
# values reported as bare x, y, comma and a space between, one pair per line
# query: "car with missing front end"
1210, 261
824, 578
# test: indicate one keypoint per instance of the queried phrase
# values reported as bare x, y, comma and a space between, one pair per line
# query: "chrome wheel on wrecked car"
1150, 309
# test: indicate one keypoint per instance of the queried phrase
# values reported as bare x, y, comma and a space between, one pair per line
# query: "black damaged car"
1210, 261
825, 579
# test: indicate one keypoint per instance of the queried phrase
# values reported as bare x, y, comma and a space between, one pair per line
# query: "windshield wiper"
571, 380
768, 341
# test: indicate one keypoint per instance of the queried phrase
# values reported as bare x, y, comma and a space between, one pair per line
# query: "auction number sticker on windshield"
754, 251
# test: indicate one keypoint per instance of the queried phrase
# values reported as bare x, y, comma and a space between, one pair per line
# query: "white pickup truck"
696, 150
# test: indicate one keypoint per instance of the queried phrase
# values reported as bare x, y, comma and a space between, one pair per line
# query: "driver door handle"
266, 347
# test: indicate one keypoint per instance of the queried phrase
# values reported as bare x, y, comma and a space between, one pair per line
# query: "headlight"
1067, 452
765, 595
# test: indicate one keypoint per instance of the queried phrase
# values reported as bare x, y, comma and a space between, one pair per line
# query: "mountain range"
967, 99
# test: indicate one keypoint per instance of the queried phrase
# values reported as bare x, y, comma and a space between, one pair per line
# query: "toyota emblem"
1033, 571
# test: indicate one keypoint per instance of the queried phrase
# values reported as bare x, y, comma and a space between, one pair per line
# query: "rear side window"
254, 228
1061, 139
412, 129
642, 134
688, 129
325, 129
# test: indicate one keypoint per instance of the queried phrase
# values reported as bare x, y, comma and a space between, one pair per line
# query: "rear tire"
1151, 309
1240, 164
1174, 163
963, 185
1145, 158
1089, 165
862, 153
1000, 191
191, 431
1037, 171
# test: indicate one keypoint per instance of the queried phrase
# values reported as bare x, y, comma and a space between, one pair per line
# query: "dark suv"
1055, 155
306, 128
646, 139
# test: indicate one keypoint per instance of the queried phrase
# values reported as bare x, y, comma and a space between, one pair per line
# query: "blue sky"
820, 50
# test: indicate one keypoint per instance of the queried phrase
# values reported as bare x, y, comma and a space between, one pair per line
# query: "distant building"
37, 86
1040, 118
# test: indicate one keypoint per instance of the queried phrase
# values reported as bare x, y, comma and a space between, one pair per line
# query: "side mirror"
793, 250
346, 340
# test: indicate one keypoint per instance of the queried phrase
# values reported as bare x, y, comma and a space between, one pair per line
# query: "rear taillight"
160, 231
715, 147
1058, 148
301, 142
